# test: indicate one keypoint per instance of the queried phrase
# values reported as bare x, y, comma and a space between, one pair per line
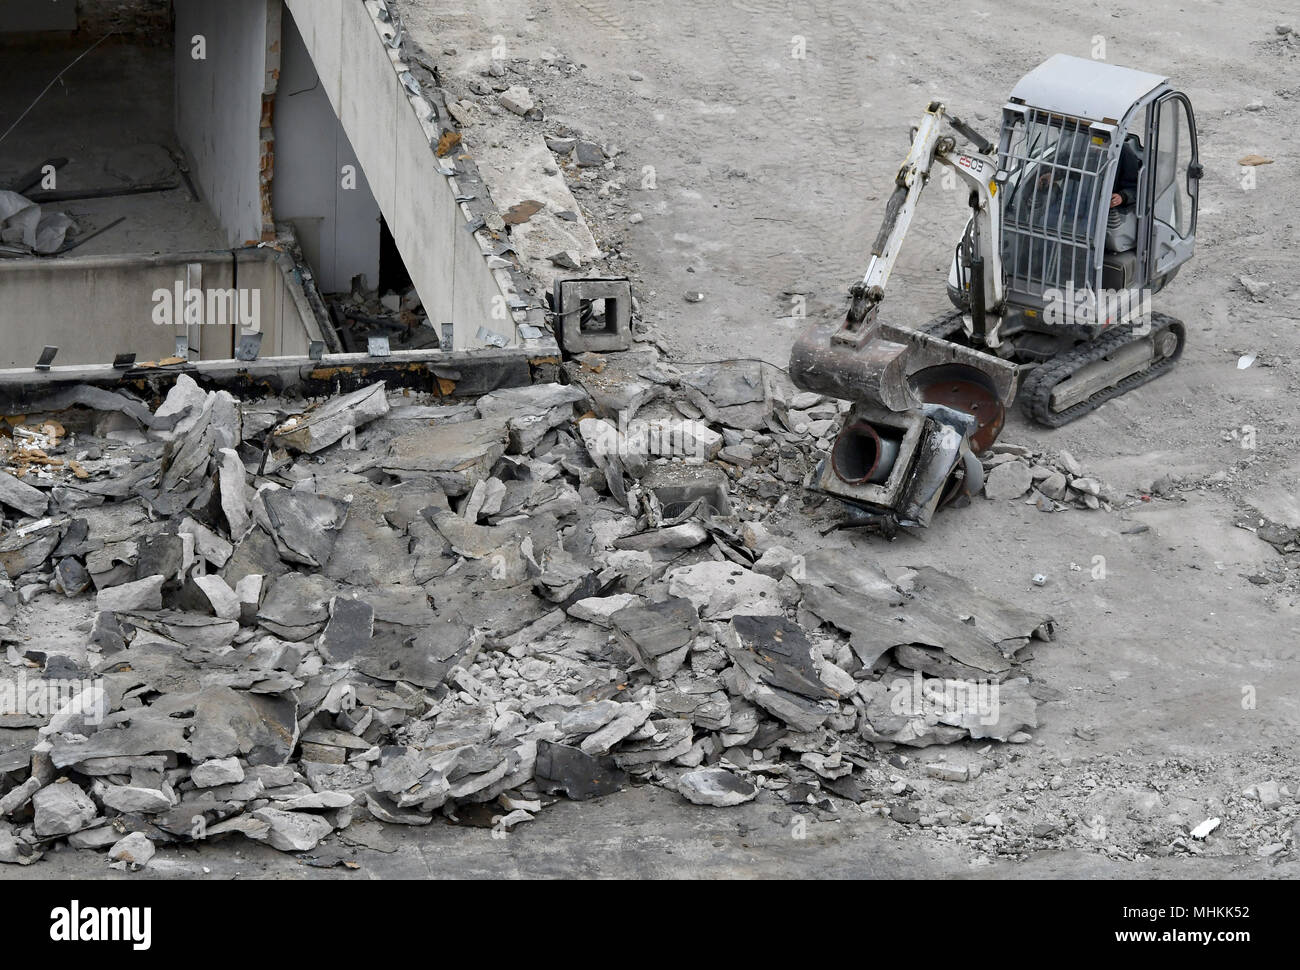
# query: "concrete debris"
1052, 483
134, 851
61, 809
716, 786
334, 420
16, 494
516, 99
658, 635
391, 608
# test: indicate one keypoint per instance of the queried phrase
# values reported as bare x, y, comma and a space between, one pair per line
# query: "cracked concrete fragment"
334, 420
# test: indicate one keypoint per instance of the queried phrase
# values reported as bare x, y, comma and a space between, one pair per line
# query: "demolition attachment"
922, 406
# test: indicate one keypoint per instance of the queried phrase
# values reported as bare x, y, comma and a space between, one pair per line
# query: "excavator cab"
1075, 133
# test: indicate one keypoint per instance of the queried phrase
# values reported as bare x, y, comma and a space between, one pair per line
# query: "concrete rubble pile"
1050, 482
280, 619
363, 313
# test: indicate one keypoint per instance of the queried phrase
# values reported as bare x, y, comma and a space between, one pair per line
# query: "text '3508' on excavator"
1084, 210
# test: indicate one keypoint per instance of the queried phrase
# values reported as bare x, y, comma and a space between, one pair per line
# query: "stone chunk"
70, 577
221, 601
590, 155
720, 590
1008, 480
572, 772
131, 799
27, 548
687, 535
305, 526
516, 99
658, 635
350, 628
61, 809
14, 851
23, 497
143, 594
234, 497
334, 420
217, 771
135, 850
715, 786
628, 718
601, 609
293, 831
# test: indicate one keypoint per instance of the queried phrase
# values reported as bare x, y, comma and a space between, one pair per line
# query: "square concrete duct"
605, 301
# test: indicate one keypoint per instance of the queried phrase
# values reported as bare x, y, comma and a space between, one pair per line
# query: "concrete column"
227, 64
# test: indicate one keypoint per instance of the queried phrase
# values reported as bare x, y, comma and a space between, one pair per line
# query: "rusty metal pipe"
862, 456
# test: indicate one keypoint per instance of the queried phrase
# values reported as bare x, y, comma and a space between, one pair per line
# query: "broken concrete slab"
305, 526
293, 831
720, 590
143, 594
134, 850
297, 606
715, 786
350, 628
454, 455
333, 421
738, 394
774, 669
19, 495
658, 635
566, 770
531, 411
61, 809
262, 730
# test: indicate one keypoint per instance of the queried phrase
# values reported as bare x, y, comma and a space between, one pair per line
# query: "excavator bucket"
923, 408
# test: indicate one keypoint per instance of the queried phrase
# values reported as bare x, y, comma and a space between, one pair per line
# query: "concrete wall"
95, 308
25, 15
219, 105
392, 136
337, 225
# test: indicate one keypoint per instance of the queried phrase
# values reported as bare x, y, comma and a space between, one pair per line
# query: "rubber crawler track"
1036, 392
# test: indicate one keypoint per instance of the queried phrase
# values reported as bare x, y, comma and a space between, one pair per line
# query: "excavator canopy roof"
1084, 89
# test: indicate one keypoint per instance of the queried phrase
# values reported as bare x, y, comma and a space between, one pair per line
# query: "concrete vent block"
595, 315
678, 484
